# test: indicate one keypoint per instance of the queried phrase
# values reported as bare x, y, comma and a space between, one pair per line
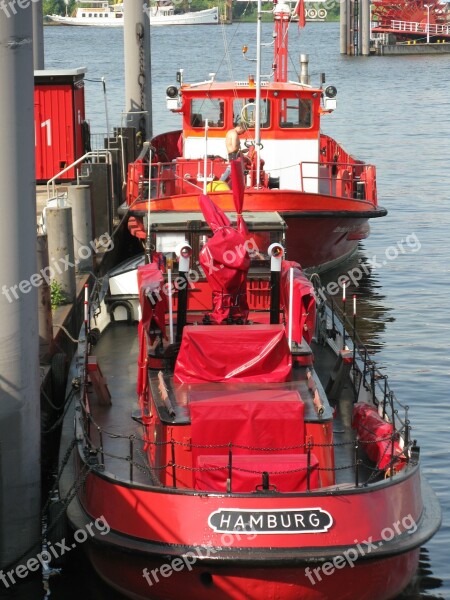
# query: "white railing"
415, 27
93, 156
98, 141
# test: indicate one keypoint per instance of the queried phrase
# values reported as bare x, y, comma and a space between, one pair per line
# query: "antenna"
148, 239
205, 161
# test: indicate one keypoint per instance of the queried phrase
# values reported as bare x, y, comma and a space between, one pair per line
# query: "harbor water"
393, 112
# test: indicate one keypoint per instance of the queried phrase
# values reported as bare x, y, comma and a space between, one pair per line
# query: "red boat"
245, 447
325, 196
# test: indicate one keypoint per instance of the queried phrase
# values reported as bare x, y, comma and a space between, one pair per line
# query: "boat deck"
117, 352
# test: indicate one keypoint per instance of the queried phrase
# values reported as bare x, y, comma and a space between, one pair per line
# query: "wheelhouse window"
207, 108
296, 113
245, 108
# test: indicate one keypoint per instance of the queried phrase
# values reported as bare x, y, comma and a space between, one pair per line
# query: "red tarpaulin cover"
238, 187
255, 420
153, 307
225, 262
304, 302
213, 353
242, 480
152, 299
370, 426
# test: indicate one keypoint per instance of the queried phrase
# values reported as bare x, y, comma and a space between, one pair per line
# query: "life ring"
250, 122
322, 13
312, 13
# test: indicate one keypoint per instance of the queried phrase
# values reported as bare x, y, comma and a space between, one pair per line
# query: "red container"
59, 121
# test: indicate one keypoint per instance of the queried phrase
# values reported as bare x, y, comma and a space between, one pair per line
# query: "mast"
258, 98
282, 17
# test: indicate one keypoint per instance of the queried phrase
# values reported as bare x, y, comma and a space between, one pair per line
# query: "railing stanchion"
100, 435
308, 468
407, 438
174, 473
372, 384
356, 463
385, 396
131, 457
230, 469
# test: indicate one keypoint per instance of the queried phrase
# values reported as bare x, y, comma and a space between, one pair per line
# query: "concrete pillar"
350, 27
304, 73
343, 26
138, 90
20, 470
365, 27
79, 199
60, 250
38, 35
44, 302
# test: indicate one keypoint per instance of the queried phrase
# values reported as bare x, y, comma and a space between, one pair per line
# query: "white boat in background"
165, 15
99, 13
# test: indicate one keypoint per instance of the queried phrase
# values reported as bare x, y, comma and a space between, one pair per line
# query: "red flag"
300, 12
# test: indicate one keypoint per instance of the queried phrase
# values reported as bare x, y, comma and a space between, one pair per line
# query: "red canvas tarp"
272, 419
304, 302
289, 472
238, 187
225, 261
376, 435
152, 298
218, 353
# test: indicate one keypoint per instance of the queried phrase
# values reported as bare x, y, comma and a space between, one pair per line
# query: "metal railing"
342, 179
89, 156
416, 27
364, 374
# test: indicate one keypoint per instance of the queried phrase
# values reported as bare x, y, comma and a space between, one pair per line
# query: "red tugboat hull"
160, 542
387, 579
322, 234
261, 459
325, 194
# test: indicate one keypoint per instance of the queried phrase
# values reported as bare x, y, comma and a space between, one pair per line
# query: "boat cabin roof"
235, 87
289, 110
182, 221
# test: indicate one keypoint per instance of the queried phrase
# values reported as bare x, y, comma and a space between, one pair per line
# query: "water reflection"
423, 581
371, 308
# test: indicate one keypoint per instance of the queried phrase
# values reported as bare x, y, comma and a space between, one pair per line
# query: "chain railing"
365, 373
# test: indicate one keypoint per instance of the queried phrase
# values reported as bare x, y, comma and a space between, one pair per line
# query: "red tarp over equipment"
257, 419
152, 299
377, 434
289, 472
238, 187
153, 303
304, 302
225, 262
212, 353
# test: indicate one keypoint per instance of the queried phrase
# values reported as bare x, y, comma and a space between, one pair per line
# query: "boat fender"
217, 186
86, 136
124, 304
57, 529
93, 336
59, 379
274, 183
